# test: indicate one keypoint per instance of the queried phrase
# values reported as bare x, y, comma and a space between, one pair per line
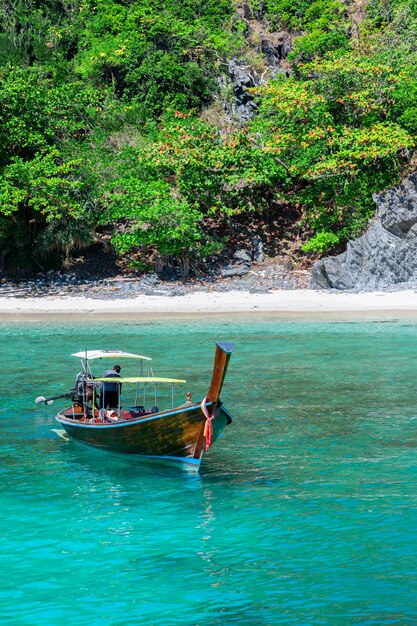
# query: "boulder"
258, 250
386, 255
247, 11
234, 271
275, 47
243, 256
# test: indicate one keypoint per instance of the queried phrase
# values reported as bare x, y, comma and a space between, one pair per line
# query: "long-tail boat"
175, 433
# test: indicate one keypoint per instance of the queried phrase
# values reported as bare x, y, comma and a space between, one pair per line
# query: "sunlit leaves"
46, 184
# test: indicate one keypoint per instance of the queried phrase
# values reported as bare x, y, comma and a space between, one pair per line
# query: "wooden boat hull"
171, 435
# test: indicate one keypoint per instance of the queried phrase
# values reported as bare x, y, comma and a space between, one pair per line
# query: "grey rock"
242, 80
258, 250
270, 51
276, 47
150, 279
234, 271
386, 255
240, 74
243, 256
259, 290
397, 207
247, 11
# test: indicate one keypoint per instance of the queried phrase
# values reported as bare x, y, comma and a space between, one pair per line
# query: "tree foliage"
101, 126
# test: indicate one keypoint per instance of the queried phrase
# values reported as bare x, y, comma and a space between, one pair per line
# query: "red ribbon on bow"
208, 427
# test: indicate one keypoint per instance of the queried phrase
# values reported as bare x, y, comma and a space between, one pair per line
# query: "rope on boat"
208, 427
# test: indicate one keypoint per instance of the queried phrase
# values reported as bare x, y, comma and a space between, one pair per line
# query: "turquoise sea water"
304, 511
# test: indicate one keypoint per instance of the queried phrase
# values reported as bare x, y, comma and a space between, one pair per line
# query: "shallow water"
303, 512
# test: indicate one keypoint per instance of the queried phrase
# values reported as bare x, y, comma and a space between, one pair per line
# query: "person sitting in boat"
84, 390
110, 392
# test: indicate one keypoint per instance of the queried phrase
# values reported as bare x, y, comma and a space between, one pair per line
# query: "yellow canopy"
135, 379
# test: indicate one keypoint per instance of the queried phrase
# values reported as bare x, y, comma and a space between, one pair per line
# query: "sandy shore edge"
304, 303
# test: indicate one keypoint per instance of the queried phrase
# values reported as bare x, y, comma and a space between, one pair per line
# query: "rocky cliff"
243, 74
386, 255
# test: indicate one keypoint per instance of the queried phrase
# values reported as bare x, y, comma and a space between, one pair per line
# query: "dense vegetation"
114, 121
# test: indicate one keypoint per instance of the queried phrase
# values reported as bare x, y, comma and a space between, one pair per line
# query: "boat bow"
211, 403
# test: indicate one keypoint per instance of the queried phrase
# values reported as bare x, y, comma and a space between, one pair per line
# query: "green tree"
328, 136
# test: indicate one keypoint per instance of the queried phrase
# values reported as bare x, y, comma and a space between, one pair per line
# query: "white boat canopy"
108, 354
135, 379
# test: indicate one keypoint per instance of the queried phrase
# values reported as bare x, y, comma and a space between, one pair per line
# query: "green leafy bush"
321, 242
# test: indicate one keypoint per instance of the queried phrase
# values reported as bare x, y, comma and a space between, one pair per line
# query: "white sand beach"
302, 303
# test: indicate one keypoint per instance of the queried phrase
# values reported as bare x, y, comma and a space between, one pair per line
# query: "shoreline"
289, 304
